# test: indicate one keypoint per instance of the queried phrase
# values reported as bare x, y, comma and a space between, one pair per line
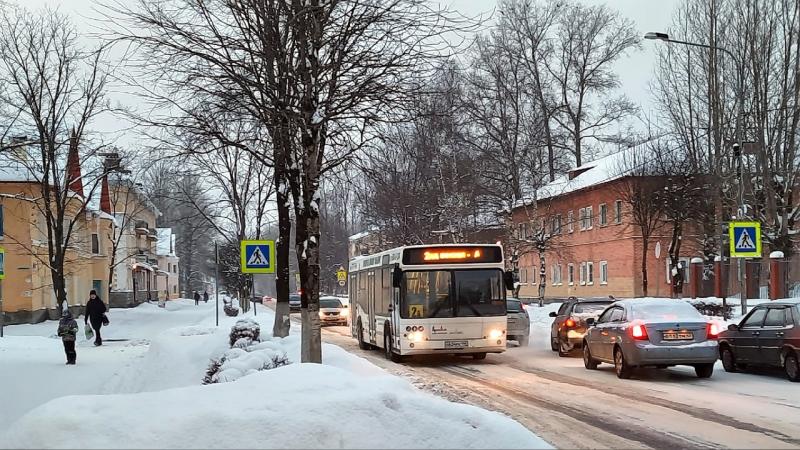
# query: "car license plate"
455, 344
672, 335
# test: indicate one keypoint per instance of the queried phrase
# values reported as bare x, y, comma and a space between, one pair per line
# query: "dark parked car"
518, 327
768, 336
569, 326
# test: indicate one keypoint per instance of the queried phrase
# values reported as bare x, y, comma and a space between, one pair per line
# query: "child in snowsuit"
67, 330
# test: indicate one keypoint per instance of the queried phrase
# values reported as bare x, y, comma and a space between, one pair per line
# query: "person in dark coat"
196, 298
95, 312
205, 296
67, 330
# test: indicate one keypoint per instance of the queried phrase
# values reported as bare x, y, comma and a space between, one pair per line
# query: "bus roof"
395, 256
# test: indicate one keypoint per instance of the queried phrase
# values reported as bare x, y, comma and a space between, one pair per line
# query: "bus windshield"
453, 293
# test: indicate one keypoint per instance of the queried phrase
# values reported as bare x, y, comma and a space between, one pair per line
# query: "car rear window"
513, 306
679, 310
590, 308
294, 297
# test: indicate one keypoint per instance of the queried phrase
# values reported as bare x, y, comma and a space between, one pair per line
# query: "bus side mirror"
397, 276
508, 277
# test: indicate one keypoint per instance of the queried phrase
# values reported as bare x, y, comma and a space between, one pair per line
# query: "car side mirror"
508, 278
397, 276
590, 321
553, 314
733, 327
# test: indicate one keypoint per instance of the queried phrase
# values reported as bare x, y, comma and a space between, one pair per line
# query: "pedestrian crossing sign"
258, 256
745, 239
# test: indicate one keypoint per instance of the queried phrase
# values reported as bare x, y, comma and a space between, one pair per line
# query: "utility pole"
718, 160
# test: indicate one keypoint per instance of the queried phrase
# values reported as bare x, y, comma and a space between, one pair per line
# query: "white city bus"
430, 299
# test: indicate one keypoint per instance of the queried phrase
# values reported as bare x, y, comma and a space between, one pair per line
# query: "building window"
570, 274
95, 244
603, 272
570, 226
556, 274
532, 278
583, 273
603, 215
555, 225
586, 218
558, 224
618, 211
589, 273
523, 276
174, 289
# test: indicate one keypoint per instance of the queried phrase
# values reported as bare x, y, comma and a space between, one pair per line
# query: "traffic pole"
253, 293
216, 280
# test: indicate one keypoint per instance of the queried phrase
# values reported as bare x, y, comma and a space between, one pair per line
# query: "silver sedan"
654, 332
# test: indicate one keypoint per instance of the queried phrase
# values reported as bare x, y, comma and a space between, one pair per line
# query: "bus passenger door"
371, 307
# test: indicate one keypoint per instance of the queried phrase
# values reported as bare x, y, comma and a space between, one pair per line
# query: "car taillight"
639, 332
712, 330
569, 323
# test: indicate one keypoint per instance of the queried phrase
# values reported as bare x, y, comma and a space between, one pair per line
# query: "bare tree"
588, 41
54, 89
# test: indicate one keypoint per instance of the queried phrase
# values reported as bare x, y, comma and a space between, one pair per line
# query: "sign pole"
216, 280
252, 293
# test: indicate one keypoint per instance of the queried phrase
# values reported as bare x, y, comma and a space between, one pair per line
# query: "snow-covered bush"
231, 310
712, 307
238, 362
244, 333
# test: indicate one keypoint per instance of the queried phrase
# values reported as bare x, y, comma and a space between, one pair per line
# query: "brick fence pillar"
696, 277
777, 276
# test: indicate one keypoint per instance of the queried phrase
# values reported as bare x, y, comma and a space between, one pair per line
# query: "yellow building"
27, 290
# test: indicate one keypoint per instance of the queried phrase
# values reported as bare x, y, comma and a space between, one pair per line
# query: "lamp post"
718, 161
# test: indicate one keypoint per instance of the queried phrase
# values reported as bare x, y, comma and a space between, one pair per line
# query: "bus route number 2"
416, 311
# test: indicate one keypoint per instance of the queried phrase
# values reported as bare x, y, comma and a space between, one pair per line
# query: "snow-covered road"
571, 407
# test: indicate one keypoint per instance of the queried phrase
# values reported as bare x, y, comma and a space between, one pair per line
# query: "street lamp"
657, 36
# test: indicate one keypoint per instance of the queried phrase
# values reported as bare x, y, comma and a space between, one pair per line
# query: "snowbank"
158, 400
296, 406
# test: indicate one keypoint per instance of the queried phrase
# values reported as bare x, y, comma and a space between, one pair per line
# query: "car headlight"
496, 334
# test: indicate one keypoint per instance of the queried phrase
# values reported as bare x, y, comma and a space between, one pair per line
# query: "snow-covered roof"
600, 171
163, 244
360, 235
13, 170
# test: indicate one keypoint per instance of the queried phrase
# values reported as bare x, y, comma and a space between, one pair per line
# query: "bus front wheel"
387, 347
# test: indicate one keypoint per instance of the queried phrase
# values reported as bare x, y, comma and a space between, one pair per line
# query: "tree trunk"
542, 275
282, 319
645, 244
308, 263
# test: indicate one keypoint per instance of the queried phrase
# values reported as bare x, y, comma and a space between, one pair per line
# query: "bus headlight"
496, 334
416, 337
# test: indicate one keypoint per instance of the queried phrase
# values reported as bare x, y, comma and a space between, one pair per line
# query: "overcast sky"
635, 71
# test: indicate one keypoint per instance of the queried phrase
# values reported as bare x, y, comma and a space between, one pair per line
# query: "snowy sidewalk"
154, 379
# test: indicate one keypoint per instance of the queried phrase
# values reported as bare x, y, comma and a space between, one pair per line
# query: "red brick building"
593, 250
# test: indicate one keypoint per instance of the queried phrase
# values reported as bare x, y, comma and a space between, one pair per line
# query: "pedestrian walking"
67, 330
96, 315
205, 296
196, 298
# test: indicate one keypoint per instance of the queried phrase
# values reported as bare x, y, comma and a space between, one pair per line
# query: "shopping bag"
88, 332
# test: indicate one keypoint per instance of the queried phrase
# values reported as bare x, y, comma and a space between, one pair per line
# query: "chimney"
105, 197
74, 178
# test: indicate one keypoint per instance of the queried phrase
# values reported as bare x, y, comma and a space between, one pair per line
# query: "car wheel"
564, 349
361, 344
728, 360
621, 367
704, 370
553, 345
791, 367
588, 361
479, 356
387, 348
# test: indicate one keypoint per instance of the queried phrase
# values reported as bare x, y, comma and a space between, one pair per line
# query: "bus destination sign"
453, 255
